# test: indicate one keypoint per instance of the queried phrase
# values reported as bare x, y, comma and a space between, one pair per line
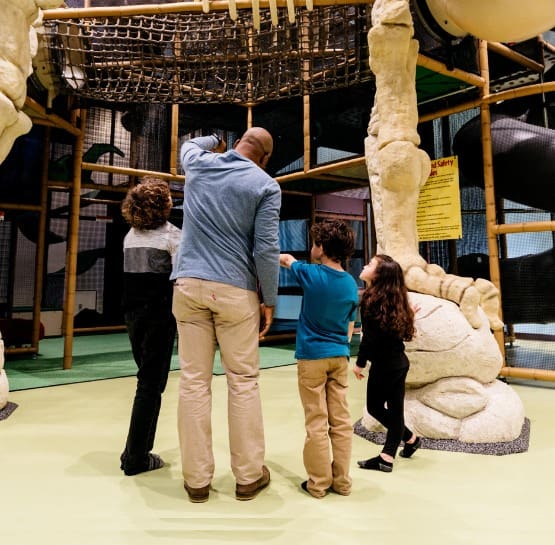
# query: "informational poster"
438, 215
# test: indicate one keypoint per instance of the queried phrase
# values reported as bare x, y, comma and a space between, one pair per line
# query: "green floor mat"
98, 357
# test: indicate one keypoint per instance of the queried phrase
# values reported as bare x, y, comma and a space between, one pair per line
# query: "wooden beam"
184, 7
313, 172
530, 227
449, 111
94, 167
455, 73
49, 119
519, 92
519, 58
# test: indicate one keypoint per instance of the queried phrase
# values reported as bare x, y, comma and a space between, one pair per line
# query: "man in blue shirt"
324, 330
229, 246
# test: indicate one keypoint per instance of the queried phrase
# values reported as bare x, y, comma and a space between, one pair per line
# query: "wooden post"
503, 250
306, 68
174, 138
73, 243
174, 128
489, 189
306, 134
41, 245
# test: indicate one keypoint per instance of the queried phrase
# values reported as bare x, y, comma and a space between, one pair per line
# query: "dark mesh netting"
137, 136
528, 287
522, 161
101, 228
108, 141
531, 352
18, 238
208, 57
5, 262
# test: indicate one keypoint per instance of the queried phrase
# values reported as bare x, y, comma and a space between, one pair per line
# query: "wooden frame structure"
341, 170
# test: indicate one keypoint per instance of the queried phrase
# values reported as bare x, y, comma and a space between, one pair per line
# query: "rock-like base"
520, 444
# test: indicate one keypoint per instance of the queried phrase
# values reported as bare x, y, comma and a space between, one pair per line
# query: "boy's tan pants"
323, 390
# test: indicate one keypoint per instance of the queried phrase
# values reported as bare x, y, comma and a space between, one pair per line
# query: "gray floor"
60, 482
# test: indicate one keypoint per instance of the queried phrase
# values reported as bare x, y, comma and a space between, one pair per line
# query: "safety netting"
527, 258
208, 57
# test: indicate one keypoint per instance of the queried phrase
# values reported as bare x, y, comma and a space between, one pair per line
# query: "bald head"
256, 144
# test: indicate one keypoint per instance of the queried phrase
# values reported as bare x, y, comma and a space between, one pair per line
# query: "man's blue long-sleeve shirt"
230, 220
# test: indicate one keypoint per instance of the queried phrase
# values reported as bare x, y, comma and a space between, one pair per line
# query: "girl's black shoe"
410, 448
377, 463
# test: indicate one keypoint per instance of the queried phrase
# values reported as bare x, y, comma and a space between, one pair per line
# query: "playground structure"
191, 70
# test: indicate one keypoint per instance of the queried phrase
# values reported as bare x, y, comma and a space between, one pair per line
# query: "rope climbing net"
209, 57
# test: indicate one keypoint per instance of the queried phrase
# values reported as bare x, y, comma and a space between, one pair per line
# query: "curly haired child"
148, 251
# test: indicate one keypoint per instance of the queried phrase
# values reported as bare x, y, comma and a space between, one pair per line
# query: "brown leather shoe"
197, 495
245, 492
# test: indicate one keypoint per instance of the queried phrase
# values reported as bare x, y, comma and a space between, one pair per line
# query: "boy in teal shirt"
324, 329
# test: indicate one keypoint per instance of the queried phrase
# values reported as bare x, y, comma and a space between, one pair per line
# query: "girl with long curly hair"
387, 320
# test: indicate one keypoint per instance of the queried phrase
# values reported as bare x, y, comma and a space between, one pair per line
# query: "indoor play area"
429, 126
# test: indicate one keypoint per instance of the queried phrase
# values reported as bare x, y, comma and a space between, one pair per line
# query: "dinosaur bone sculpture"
397, 168
452, 388
19, 44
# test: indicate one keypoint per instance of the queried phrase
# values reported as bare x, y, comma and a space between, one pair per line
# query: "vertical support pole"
306, 133
174, 138
312, 219
41, 241
491, 212
73, 242
174, 128
304, 27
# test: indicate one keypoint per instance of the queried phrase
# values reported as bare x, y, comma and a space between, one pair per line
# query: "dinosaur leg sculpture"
397, 168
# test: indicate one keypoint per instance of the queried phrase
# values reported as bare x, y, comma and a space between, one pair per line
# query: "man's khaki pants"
323, 389
208, 313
